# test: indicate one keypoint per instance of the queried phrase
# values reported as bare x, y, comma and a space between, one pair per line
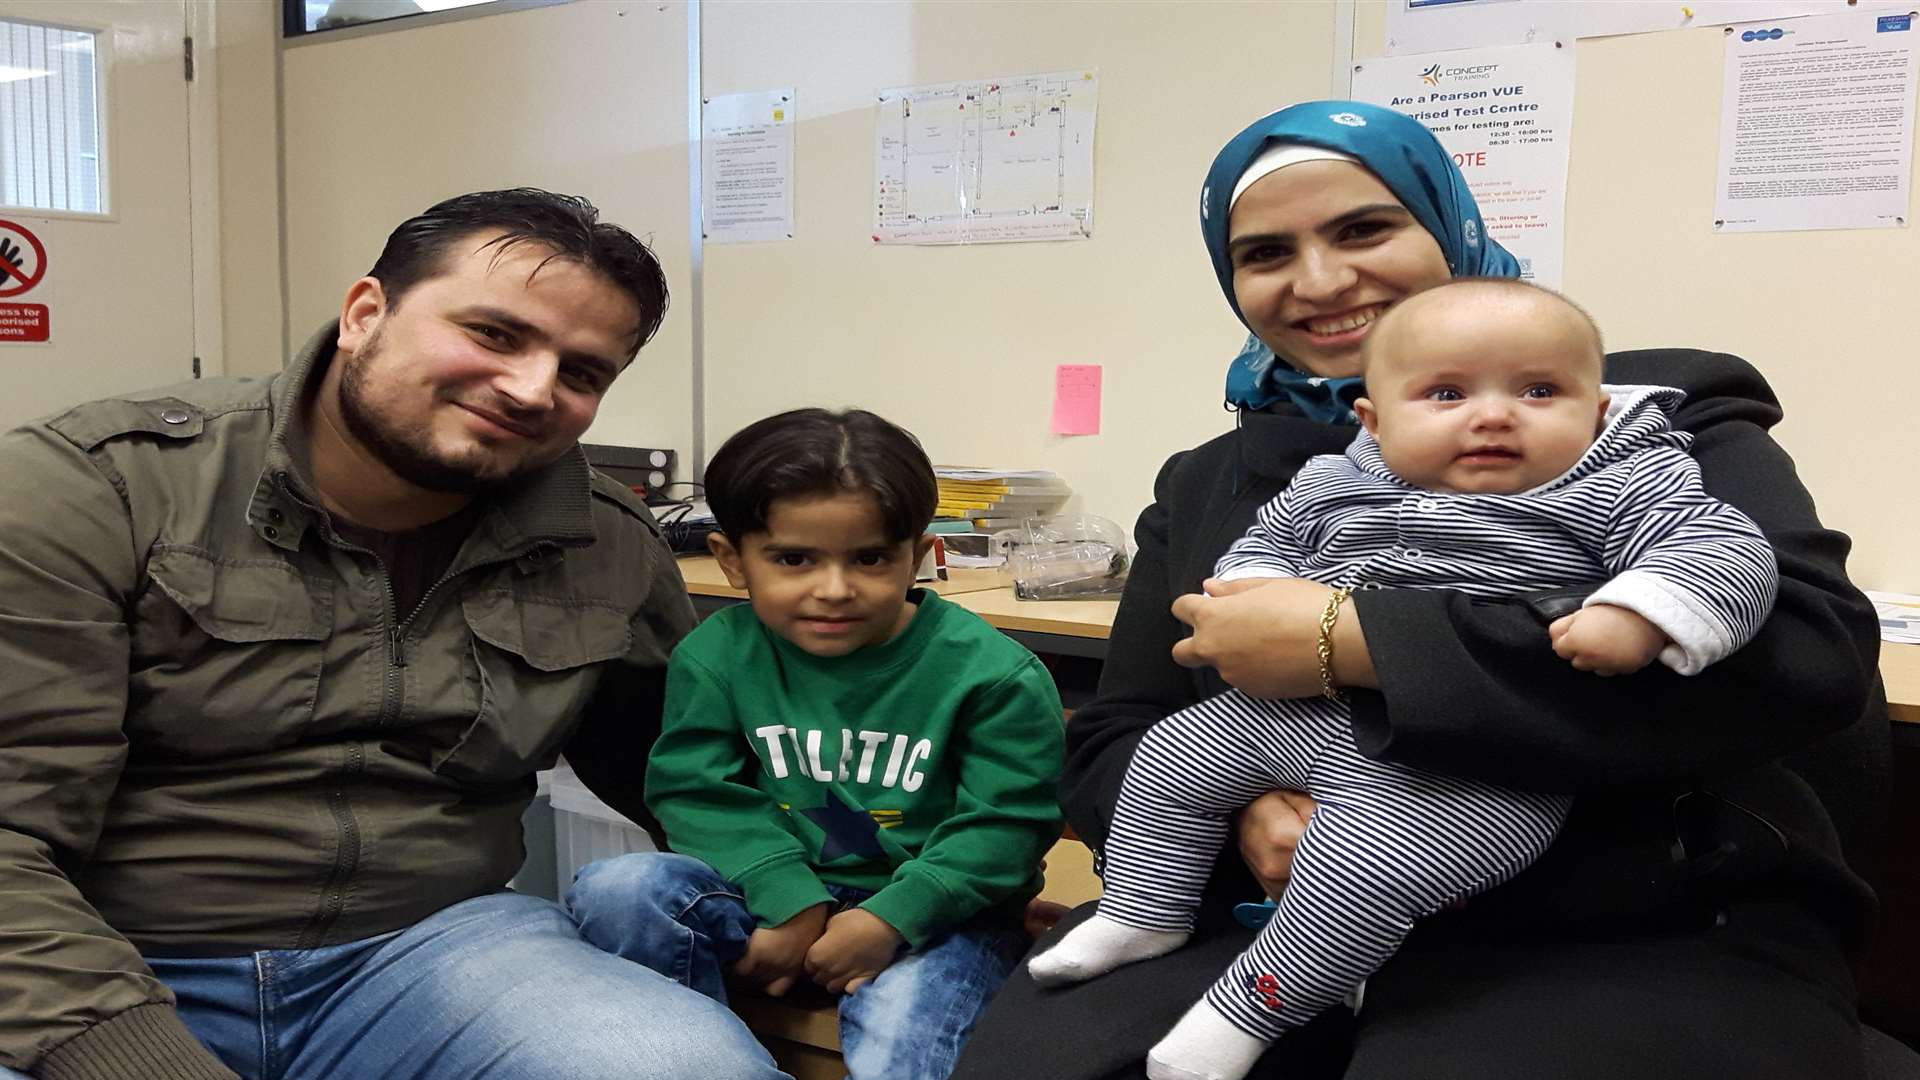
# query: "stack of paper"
997, 498
1899, 616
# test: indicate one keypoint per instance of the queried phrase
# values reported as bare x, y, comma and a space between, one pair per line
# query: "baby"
1495, 463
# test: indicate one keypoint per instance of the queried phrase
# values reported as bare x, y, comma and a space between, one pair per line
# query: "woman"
1693, 918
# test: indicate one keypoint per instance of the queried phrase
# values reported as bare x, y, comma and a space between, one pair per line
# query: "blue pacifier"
1254, 916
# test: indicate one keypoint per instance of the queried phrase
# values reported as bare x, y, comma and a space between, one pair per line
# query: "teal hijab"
1411, 163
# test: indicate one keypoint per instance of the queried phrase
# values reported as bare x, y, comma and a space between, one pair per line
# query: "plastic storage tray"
585, 829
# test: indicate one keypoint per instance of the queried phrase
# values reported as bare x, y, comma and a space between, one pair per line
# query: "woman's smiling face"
1319, 250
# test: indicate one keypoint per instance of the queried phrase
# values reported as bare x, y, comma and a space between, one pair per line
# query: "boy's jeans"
907, 1024
499, 987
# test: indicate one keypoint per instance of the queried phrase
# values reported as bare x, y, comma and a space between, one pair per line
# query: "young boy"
1492, 462
856, 777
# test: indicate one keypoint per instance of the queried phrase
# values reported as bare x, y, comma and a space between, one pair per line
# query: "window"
311, 16
49, 118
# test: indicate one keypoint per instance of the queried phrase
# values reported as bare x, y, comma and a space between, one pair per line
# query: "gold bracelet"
1328, 615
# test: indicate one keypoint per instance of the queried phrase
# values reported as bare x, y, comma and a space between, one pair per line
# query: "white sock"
1204, 1046
1096, 947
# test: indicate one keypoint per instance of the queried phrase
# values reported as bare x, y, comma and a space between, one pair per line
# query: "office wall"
246, 39
960, 343
588, 98
1822, 314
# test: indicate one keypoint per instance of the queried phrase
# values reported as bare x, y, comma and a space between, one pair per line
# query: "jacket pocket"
226, 653
539, 661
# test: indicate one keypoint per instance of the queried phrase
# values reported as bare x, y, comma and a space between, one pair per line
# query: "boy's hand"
857, 946
1606, 640
776, 956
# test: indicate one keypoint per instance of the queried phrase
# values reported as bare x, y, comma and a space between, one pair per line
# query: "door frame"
203, 186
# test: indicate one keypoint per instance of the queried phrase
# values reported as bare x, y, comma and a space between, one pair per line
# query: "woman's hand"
1269, 830
1263, 636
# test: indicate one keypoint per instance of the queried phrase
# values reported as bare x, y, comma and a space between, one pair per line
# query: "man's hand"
776, 955
857, 946
1269, 830
1263, 636
1606, 640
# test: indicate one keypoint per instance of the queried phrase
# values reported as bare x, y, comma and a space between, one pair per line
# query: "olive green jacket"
216, 738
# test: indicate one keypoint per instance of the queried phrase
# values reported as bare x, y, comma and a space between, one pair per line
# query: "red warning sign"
23, 261
23, 264
22, 322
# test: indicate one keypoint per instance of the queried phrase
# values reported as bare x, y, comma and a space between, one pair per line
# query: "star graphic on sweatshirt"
848, 831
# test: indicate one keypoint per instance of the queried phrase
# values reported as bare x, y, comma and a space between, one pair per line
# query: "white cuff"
1698, 635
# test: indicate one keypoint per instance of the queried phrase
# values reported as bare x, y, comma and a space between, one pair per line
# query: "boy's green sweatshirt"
922, 769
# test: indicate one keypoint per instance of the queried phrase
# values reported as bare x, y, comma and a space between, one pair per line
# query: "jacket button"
270, 533
176, 416
274, 515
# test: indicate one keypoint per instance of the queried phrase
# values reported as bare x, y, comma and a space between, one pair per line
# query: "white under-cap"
1278, 157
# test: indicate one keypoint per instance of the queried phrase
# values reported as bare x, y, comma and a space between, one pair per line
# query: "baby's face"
1484, 397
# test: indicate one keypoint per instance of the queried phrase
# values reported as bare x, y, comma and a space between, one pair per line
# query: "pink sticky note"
1076, 399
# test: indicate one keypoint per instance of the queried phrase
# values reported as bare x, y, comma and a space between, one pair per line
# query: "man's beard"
410, 458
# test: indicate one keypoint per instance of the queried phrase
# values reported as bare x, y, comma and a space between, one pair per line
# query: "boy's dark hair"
568, 224
819, 452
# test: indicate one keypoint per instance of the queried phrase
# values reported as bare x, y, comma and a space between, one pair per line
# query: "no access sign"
23, 265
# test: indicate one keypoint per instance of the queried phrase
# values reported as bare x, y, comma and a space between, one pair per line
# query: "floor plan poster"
986, 162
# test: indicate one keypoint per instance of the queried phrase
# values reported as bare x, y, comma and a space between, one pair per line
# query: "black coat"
1692, 791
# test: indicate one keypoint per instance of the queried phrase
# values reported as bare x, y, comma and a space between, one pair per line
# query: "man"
279, 658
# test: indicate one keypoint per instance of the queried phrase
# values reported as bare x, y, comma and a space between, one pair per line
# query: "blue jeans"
499, 987
690, 924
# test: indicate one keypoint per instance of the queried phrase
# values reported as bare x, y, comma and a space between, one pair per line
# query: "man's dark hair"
568, 224
818, 452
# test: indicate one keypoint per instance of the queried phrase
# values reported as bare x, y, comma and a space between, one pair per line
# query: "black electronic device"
648, 471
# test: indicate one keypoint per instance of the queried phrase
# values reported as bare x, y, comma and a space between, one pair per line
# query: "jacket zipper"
346, 857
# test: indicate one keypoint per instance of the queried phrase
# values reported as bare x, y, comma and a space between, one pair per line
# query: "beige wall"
587, 98
960, 343
1822, 314
246, 38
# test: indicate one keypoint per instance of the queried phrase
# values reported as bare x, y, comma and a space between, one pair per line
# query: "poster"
24, 292
1418, 26
987, 161
1506, 116
1816, 124
746, 167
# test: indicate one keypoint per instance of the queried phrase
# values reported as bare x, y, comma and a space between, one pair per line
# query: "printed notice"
1076, 399
1899, 616
1816, 124
985, 162
1418, 26
746, 167
1506, 116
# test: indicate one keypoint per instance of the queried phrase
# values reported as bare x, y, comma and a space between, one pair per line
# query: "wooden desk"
1055, 627
1080, 627
705, 579
1900, 668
